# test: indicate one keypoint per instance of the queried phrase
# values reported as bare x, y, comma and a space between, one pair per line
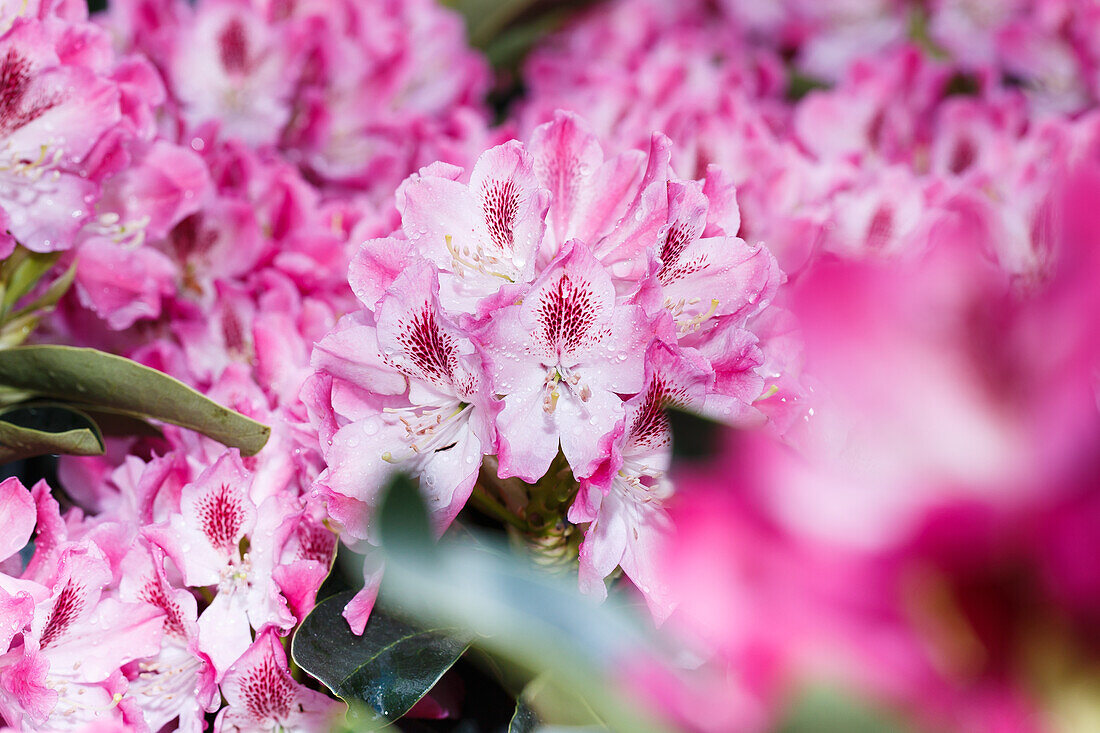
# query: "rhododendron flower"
204, 541
72, 633
293, 76
257, 564
881, 622
299, 208
624, 500
177, 682
262, 695
561, 359
54, 112
561, 267
425, 409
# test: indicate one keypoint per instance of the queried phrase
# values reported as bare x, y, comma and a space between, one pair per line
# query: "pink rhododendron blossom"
879, 626
71, 633
124, 582
624, 501
55, 111
204, 541
178, 682
861, 233
262, 696
512, 316
566, 352
79, 129
434, 418
293, 77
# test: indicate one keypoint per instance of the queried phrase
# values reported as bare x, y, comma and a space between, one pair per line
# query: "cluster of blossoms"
900, 147
356, 95
209, 200
101, 624
79, 134
550, 299
1047, 47
932, 205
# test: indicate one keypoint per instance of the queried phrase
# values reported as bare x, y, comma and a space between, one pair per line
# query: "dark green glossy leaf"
390, 667
99, 380
524, 720
40, 428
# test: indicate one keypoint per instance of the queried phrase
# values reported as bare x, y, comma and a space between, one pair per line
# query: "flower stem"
487, 504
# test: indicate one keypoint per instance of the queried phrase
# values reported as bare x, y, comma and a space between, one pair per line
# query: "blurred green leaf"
546, 703
485, 19
40, 428
508, 49
403, 520
800, 84
16, 330
537, 622
51, 295
919, 34
21, 271
389, 668
826, 710
95, 379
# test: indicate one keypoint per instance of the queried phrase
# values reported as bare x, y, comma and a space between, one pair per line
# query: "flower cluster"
79, 136
103, 622
209, 219
930, 200
900, 146
550, 299
356, 95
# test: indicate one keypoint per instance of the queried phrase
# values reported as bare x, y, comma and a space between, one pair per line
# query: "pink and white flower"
416, 399
560, 359
512, 316
262, 696
207, 542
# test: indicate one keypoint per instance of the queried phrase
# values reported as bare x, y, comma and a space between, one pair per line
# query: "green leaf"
508, 49
403, 520
544, 703
21, 271
117, 425
16, 330
537, 622
524, 719
389, 668
39, 428
51, 295
95, 379
826, 710
487, 18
